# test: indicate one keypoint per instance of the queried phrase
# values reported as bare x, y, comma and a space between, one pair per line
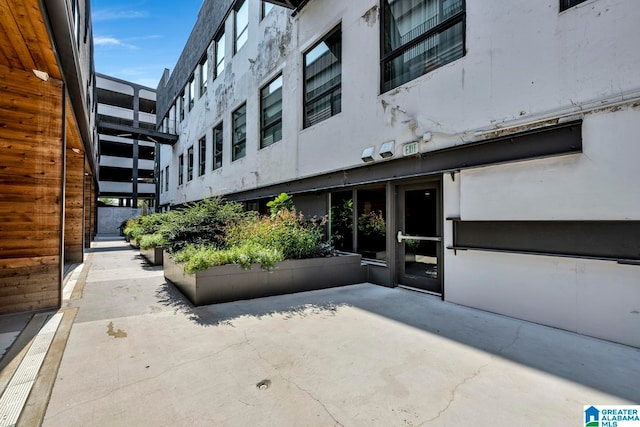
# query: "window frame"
236, 34
459, 17
204, 74
219, 62
242, 142
182, 100
202, 155
568, 4
217, 155
264, 128
192, 91
306, 102
180, 169
263, 10
166, 178
190, 163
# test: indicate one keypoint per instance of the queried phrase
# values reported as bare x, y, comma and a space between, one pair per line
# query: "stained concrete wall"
110, 218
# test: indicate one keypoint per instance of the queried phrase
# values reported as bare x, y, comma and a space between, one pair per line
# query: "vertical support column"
74, 205
136, 124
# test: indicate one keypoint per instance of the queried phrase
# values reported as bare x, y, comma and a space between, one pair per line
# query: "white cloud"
115, 14
111, 41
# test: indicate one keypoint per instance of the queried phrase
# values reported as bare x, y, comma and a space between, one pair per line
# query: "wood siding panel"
31, 133
74, 208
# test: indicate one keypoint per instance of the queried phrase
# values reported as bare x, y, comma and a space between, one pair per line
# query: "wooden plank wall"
74, 207
31, 191
89, 208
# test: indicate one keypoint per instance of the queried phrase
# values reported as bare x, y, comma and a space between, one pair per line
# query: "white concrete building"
501, 134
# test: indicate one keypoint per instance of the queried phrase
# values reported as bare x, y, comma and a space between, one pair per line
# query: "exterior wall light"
387, 149
42, 75
367, 154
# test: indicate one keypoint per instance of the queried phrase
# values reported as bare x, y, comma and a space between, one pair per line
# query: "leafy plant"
200, 258
281, 203
148, 241
201, 223
372, 224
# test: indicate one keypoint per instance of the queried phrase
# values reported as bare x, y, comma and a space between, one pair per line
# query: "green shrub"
202, 224
200, 258
148, 241
287, 231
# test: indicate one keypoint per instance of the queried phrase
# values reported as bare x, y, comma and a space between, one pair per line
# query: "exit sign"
410, 149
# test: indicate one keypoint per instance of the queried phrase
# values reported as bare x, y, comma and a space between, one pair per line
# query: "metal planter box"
153, 255
231, 283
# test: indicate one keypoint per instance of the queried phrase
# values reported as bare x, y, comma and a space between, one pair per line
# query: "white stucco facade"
526, 65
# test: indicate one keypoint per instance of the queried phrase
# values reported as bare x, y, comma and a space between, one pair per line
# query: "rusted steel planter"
153, 255
231, 283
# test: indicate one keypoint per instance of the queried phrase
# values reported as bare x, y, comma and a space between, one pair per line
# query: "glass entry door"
419, 237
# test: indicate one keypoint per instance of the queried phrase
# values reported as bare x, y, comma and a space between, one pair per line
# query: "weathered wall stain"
274, 47
115, 333
371, 15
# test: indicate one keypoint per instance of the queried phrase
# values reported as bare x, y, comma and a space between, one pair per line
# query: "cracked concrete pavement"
363, 355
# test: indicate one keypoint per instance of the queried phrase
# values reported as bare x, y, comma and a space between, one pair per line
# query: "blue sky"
137, 40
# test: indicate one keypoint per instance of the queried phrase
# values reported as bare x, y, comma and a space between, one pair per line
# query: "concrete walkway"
138, 354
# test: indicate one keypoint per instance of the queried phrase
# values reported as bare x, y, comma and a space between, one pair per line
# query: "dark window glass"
239, 143
342, 220
266, 8
180, 169
371, 214
323, 78
271, 118
192, 92
161, 181
190, 163
166, 179
419, 36
566, 4
202, 156
183, 101
217, 147
204, 74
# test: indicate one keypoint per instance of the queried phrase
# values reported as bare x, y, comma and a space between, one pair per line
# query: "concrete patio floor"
138, 354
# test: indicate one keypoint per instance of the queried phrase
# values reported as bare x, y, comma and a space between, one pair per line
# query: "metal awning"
290, 4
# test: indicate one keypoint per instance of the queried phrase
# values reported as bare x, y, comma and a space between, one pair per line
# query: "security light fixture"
387, 149
367, 154
76, 150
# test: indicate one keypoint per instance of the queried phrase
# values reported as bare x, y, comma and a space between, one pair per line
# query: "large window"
204, 74
217, 147
192, 92
239, 142
566, 4
323, 78
358, 222
219, 54
271, 107
190, 163
419, 36
182, 102
166, 178
202, 156
266, 8
161, 180
241, 25
181, 169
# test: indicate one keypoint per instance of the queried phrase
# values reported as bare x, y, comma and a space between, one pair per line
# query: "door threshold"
422, 291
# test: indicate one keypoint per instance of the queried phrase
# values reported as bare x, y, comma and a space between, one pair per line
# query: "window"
166, 178
239, 142
322, 78
190, 163
217, 147
161, 182
183, 101
419, 36
241, 25
181, 169
566, 4
367, 234
266, 8
192, 92
271, 118
219, 54
204, 74
202, 156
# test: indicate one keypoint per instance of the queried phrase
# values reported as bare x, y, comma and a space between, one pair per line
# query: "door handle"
402, 237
